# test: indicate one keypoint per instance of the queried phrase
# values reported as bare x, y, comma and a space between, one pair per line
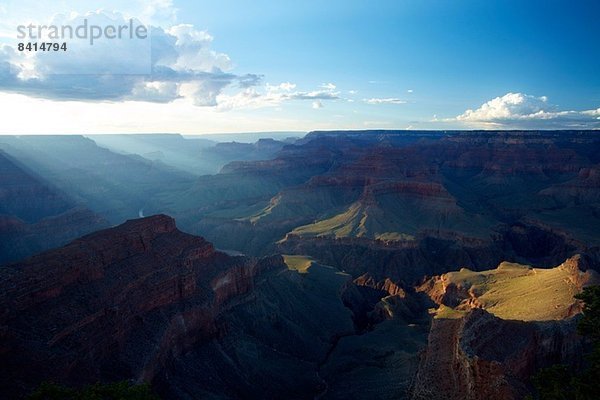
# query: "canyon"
146, 302
345, 264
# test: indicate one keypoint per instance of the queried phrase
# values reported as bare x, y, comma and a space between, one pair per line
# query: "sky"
240, 66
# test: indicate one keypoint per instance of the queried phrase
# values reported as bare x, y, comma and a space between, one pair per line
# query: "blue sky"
413, 64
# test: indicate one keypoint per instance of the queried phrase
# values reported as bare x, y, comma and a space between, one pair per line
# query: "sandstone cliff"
494, 329
482, 357
116, 304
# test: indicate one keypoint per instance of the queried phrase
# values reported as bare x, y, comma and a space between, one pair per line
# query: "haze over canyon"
332, 265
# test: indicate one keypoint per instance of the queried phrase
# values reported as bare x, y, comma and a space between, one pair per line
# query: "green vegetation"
100, 391
560, 382
590, 324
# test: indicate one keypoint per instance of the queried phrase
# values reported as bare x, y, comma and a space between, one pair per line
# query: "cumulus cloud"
175, 57
157, 92
519, 110
179, 62
249, 80
193, 50
387, 100
509, 106
157, 11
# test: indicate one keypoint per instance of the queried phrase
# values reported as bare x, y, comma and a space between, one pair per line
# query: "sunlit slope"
397, 215
512, 291
307, 201
298, 262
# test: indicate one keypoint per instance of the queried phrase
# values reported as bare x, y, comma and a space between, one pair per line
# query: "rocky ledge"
494, 329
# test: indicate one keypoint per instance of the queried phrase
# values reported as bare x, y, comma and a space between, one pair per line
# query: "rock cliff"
479, 356
116, 304
494, 329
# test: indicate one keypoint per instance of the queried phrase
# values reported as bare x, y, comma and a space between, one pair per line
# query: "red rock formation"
116, 304
481, 357
517, 158
582, 189
444, 291
475, 355
386, 285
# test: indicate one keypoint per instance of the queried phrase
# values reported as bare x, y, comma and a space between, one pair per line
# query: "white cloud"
157, 92
159, 11
180, 63
273, 95
509, 106
409, 91
178, 57
287, 86
521, 110
203, 92
315, 94
194, 52
388, 100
